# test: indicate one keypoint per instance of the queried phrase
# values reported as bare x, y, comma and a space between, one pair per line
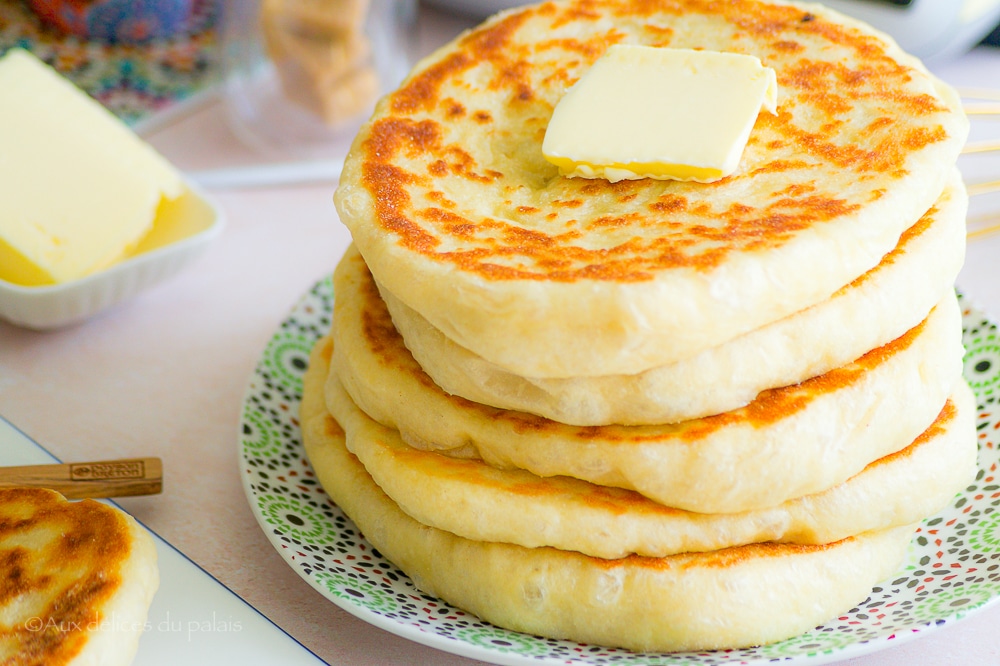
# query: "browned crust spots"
408, 148
332, 430
907, 237
454, 109
788, 46
75, 563
779, 166
524, 484
718, 559
772, 405
422, 92
937, 429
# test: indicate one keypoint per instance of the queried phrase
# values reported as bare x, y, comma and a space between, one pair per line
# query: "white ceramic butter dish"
182, 231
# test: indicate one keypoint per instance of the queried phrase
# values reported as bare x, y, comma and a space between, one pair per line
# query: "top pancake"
457, 213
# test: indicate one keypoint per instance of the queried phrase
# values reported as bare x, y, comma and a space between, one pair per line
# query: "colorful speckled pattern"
133, 80
952, 570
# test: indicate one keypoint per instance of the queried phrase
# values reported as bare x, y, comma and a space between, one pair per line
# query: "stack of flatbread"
651, 414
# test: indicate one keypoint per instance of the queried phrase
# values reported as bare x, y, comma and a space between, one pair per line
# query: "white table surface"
164, 375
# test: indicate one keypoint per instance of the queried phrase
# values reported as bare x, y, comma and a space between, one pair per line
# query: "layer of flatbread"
76, 581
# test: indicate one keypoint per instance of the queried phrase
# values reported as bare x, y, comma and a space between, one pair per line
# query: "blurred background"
140, 57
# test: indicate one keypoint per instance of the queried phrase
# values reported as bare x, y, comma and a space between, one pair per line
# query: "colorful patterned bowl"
114, 21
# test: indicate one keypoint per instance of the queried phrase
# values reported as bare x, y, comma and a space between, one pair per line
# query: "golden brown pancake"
874, 309
76, 581
479, 502
788, 442
734, 597
451, 202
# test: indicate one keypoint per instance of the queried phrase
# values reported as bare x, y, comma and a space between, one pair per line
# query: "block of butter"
79, 188
650, 112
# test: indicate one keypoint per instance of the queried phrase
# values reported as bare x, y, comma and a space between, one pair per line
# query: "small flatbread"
76, 580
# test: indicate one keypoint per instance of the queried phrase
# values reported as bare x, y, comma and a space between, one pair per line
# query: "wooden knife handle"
104, 478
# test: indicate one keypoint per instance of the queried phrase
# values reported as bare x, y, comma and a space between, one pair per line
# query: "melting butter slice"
650, 112
78, 188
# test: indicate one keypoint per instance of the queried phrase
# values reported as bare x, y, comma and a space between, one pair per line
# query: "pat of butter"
79, 188
649, 112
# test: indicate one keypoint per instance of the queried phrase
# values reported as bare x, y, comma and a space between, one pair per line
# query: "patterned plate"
952, 569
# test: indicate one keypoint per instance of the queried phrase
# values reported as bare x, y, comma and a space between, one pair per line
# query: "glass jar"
302, 75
